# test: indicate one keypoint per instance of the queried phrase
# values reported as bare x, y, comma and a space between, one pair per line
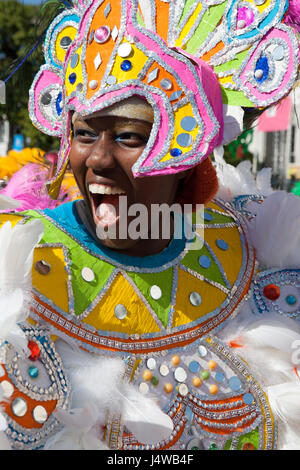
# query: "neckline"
67, 218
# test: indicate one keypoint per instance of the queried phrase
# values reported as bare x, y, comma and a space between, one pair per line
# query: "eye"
85, 135
131, 139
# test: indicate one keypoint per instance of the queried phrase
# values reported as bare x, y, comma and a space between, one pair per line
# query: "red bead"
271, 291
248, 446
35, 351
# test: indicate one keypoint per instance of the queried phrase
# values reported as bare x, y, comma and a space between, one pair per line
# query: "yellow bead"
168, 388
175, 360
213, 389
212, 364
147, 375
196, 381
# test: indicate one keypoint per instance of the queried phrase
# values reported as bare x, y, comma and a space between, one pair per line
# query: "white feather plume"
17, 246
7, 202
239, 180
233, 122
99, 390
275, 231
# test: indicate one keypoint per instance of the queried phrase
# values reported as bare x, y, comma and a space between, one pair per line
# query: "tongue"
108, 211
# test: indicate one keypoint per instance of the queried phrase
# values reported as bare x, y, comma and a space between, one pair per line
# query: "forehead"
133, 108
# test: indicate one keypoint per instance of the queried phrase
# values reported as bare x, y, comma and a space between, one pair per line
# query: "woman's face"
102, 153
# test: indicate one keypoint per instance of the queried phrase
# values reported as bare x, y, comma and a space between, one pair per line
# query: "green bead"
205, 374
213, 446
195, 448
154, 380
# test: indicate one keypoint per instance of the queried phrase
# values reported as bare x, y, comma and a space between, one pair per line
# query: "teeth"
96, 188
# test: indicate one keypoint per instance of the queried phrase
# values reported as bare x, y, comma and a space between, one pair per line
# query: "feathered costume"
196, 347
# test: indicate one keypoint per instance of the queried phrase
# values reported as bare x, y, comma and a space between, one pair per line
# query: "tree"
22, 28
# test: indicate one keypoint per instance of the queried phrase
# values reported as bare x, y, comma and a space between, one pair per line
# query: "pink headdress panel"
190, 60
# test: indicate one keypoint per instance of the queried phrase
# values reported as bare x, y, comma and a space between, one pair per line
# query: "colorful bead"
175, 152
291, 299
180, 374
235, 384
166, 84
188, 123
194, 366
213, 446
72, 78
212, 364
147, 375
222, 244
19, 407
196, 381
168, 387
204, 261
40, 414
124, 50
195, 299
120, 311
205, 374
248, 446
34, 351
175, 360
87, 274
213, 389
271, 291
102, 34
126, 65
42, 267
33, 372
154, 381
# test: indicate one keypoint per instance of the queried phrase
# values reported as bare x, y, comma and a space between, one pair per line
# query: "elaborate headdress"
196, 62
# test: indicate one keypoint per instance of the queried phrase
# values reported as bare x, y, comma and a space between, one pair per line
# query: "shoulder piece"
33, 388
131, 304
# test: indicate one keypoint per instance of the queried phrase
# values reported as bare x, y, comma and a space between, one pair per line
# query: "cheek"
77, 161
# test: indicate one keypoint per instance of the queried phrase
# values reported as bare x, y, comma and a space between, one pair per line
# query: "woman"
137, 336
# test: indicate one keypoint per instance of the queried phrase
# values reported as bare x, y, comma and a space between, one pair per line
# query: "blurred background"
274, 140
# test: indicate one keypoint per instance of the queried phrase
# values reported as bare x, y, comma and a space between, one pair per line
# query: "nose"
101, 156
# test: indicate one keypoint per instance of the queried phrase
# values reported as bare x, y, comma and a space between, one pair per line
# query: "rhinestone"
120, 311
155, 292
147, 375
144, 388
111, 80
248, 398
207, 216
58, 104
188, 123
183, 390
202, 351
291, 300
74, 61
7, 389
180, 374
166, 84
65, 42
235, 384
151, 363
72, 78
40, 414
97, 61
154, 380
152, 75
196, 381
258, 74
87, 274
222, 244
19, 407
114, 33
205, 374
102, 34
124, 50
175, 152
93, 84
271, 291
204, 261
126, 65
33, 372
184, 140
195, 299
107, 10
46, 99
220, 377
34, 350
241, 24
168, 387
175, 95
278, 53
194, 366
164, 370
42, 267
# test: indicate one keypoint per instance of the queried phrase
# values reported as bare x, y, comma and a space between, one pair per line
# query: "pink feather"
292, 17
28, 186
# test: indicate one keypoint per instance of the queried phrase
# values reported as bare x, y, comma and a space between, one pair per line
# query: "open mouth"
105, 203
